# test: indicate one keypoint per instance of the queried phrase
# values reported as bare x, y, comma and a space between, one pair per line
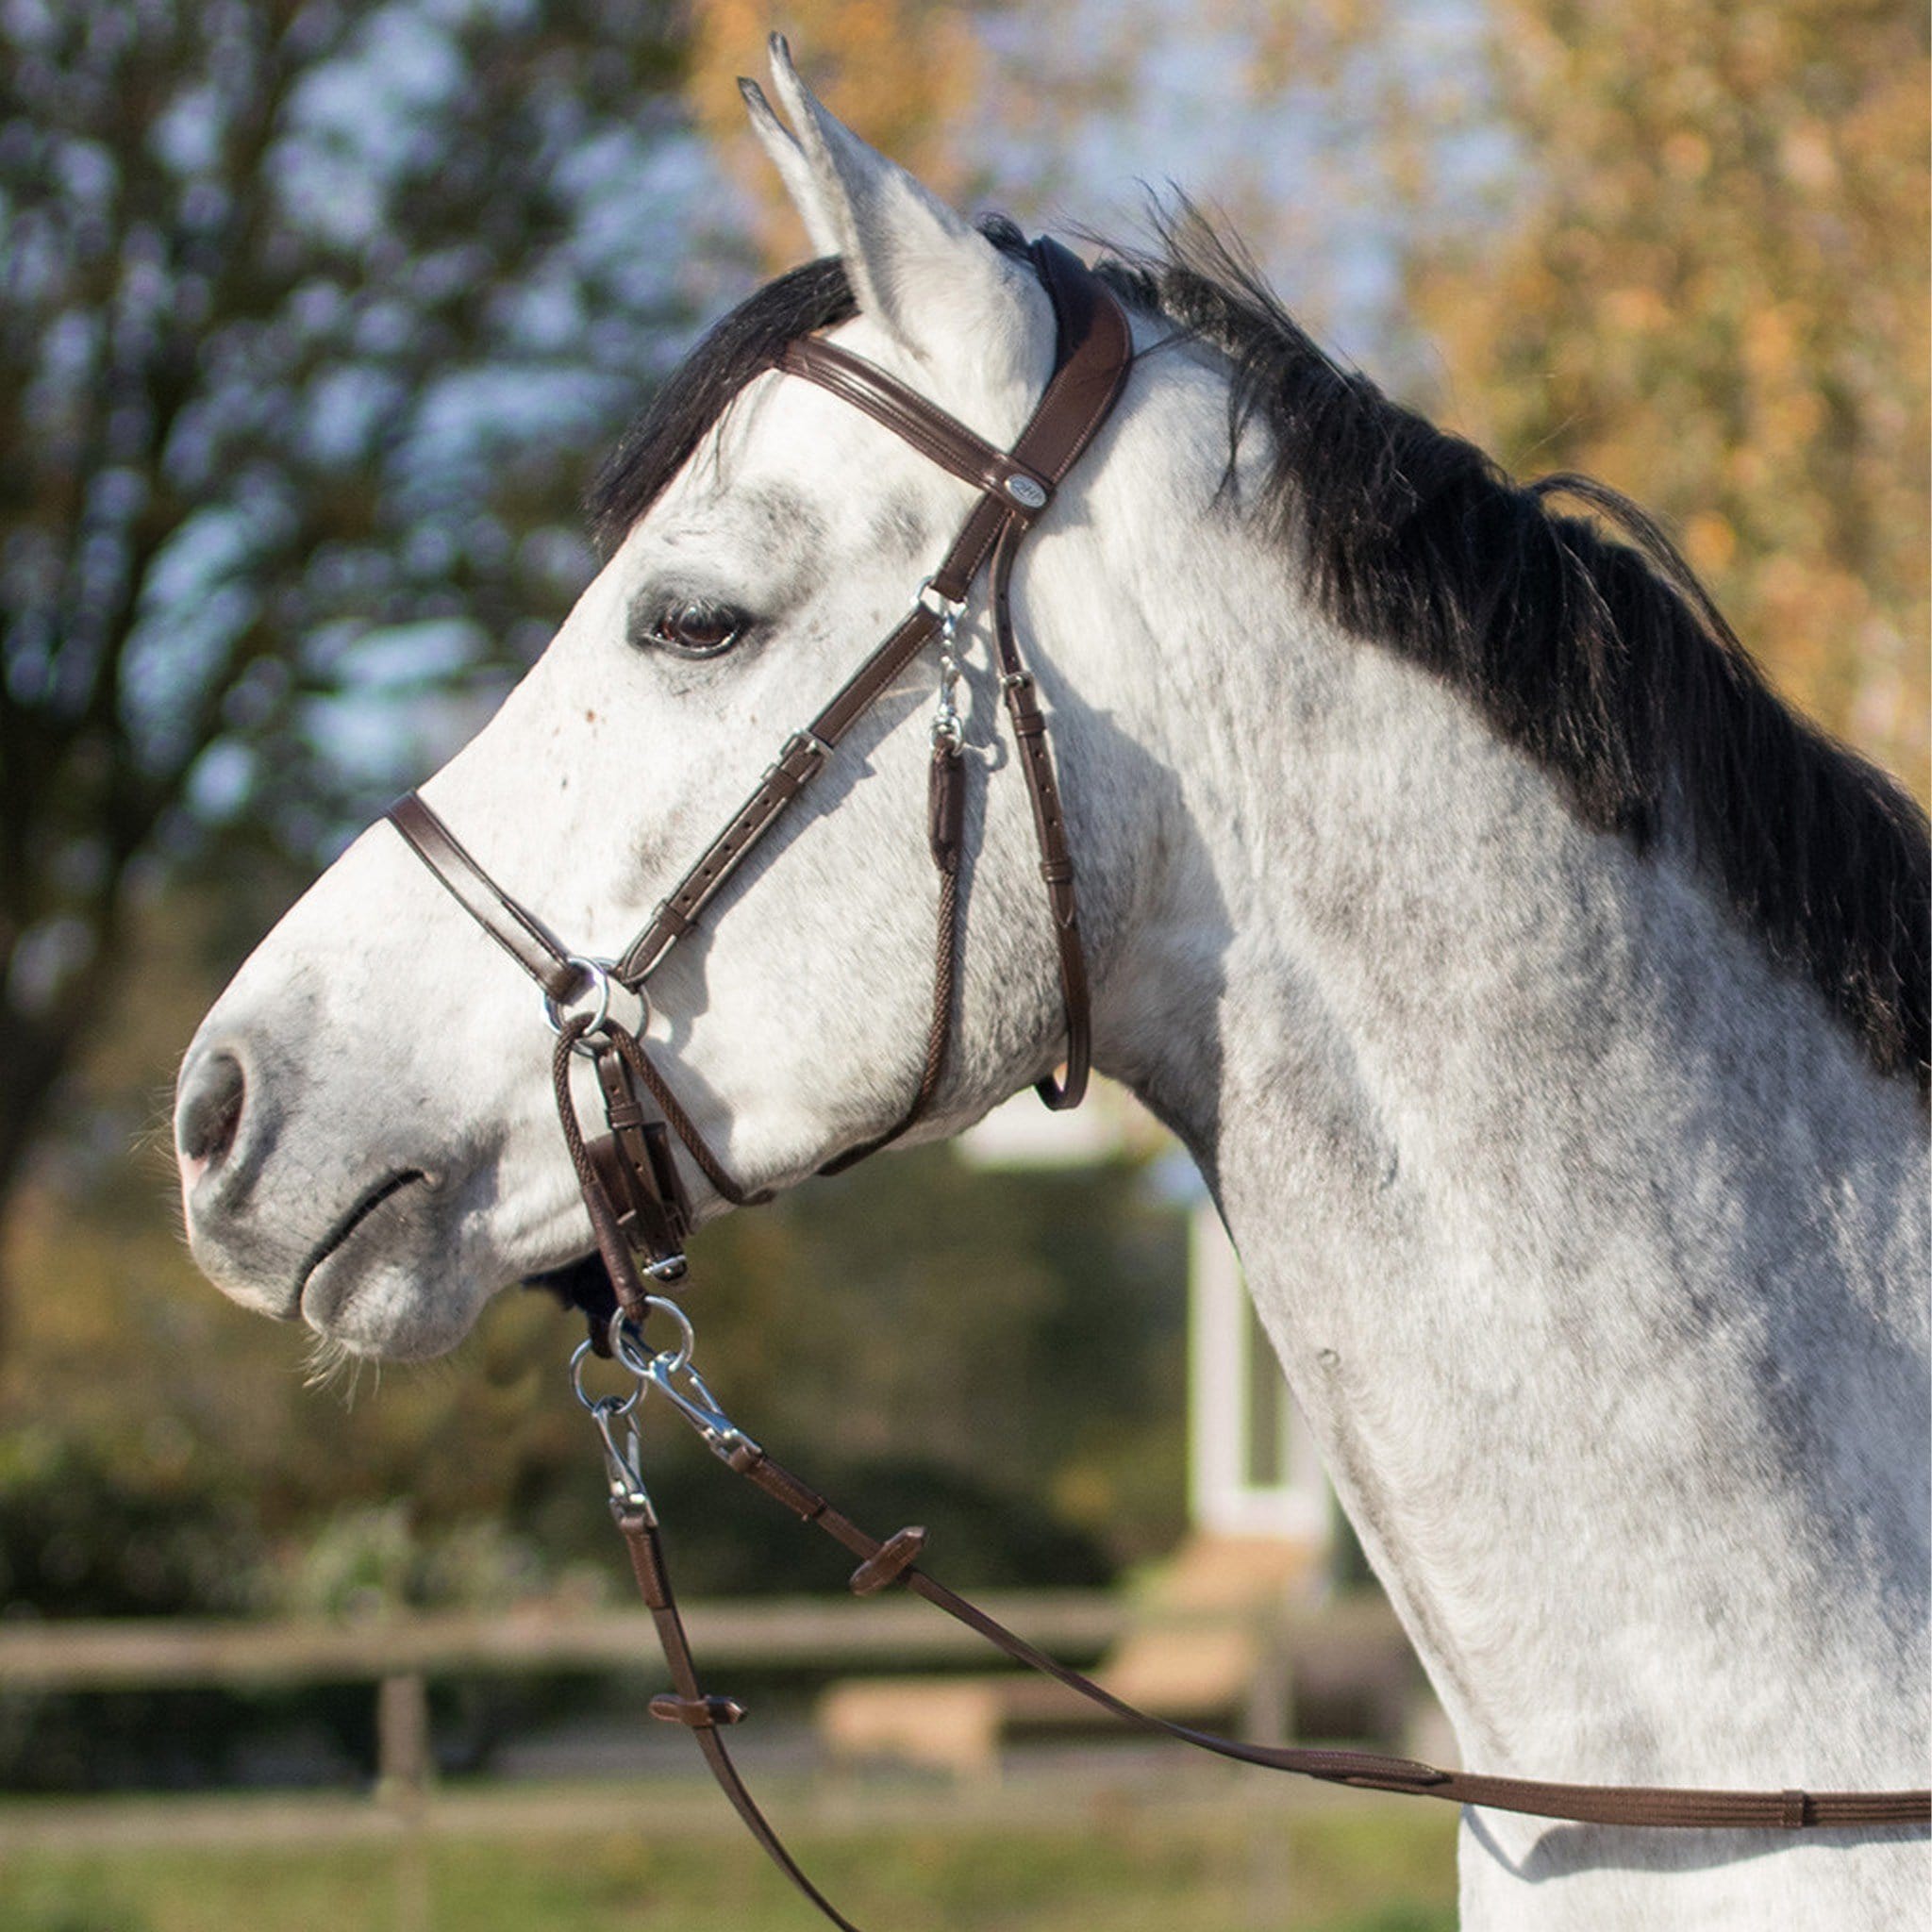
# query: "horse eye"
696, 629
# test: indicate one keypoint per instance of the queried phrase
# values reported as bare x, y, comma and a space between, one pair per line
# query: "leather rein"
640, 1214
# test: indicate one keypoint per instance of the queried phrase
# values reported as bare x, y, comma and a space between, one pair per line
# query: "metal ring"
641, 1362
600, 1405
598, 972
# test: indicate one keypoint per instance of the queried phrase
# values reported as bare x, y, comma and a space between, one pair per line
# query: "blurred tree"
1704, 279
1306, 128
311, 311
1679, 244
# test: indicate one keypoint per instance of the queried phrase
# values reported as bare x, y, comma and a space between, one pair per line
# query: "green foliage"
362, 1562
82, 1535
1009, 1325
48, 1905
1661, 294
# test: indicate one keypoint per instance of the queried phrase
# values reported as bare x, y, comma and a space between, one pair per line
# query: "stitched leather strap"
934, 434
516, 929
1077, 401
1050, 831
1088, 383
801, 759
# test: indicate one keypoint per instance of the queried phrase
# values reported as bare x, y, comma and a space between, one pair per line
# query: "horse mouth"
346, 1224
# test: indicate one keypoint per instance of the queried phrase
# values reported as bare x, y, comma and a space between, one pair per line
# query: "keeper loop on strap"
696, 1714
888, 1563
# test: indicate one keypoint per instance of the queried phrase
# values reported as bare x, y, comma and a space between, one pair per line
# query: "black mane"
1606, 663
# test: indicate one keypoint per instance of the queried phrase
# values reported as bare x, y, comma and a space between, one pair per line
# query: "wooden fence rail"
400, 1655
148, 1654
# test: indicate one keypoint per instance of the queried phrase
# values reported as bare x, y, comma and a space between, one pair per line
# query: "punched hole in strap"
888, 1563
696, 1714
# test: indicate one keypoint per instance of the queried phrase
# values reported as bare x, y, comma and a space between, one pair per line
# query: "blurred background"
315, 321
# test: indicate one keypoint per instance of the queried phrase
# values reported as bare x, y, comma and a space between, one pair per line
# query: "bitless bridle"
640, 1215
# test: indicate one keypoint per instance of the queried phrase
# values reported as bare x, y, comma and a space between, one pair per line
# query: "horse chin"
387, 1307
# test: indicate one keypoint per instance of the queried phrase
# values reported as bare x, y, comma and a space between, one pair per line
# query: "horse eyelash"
651, 627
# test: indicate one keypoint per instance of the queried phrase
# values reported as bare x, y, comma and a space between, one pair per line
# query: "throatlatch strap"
1050, 831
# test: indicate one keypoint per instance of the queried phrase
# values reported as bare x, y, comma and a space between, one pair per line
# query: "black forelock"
745, 343
698, 392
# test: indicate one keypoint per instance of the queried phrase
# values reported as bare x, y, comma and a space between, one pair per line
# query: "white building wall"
1239, 1482
1253, 1469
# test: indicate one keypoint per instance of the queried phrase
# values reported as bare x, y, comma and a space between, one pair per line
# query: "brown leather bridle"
636, 1201
640, 1215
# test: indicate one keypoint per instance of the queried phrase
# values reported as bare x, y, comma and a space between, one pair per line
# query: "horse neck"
1592, 1248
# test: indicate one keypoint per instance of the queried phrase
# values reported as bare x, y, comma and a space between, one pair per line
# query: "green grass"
1337, 1871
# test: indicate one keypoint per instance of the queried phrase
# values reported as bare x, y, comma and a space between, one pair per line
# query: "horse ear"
924, 274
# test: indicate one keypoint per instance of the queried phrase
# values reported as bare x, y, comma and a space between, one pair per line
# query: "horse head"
365, 1125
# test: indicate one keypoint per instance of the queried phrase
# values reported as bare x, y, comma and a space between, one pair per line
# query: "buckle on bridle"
949, 611
804, 739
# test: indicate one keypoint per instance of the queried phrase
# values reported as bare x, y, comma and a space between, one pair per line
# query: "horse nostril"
212, 1094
